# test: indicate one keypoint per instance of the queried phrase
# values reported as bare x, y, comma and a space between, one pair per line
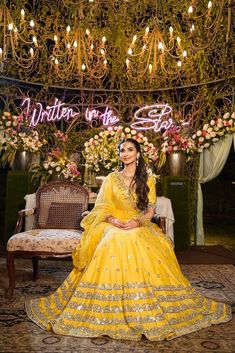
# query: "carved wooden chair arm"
21, 218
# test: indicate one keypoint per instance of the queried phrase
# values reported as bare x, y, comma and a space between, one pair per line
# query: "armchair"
56, 231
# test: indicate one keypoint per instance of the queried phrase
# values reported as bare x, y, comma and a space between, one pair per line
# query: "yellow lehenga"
125, 283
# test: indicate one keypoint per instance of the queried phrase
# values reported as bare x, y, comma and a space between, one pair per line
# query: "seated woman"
126, 280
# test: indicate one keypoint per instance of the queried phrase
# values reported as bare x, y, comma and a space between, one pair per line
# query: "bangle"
109, 219
143, 221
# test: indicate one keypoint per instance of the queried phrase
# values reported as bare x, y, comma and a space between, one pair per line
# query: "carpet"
19, 334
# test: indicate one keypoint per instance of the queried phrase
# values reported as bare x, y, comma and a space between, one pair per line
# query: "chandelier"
70, 51
167, 50
108, 44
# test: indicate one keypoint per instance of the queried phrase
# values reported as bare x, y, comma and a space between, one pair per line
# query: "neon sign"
107, 118
151, 117
55, 112
155, 117
58, 111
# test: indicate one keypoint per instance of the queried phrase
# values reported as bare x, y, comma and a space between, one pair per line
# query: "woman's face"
128, 153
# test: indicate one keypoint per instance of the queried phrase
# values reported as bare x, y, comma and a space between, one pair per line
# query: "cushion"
64, 215
30, 203
50, 240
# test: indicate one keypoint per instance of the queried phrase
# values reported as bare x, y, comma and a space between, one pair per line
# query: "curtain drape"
212, 161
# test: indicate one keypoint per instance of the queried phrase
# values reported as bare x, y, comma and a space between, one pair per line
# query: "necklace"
128, 176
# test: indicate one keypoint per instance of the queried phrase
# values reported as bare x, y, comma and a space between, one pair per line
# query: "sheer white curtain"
212, 161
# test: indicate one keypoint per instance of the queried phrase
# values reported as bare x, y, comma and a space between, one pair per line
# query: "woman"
126, 281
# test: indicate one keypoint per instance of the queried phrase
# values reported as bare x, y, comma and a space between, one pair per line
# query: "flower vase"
22, 161
175, 163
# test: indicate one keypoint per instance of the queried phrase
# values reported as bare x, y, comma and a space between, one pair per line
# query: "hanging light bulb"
104, 39
75, 44
55, 38
68, 45
83, 67
34, 40
127, 62
150, 68
31, 23
146, 30
68, 29
184, 53
129, 51
179, 63
102, 51
10, 26
87, 32
105, 62
92, 46
56, 62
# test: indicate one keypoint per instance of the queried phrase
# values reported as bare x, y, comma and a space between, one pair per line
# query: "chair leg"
35, 268
11, 274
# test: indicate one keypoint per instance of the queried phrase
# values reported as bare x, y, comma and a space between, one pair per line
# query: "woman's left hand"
132, 223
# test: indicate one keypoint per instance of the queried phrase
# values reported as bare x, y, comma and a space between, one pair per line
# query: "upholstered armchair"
60, 206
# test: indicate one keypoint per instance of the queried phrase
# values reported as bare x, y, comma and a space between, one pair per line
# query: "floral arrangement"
57, 164
101, 151
17, 137
176, 140
214, 130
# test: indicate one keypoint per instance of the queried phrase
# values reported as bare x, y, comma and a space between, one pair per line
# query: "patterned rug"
18, 334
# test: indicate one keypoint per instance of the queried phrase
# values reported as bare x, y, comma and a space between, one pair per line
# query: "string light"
31, 23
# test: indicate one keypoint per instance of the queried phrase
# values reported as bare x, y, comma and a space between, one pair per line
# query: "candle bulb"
31, 52
171, 31
127, 62
31, 23
190, 10
150, 68
22, 13
134, 39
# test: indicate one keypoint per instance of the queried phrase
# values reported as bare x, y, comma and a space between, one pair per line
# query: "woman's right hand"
117, 223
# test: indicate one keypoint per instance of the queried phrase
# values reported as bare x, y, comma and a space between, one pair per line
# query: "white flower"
133, 132
201, 139
206, 145
233, 115
199, 133
205, 127
58, 169
226, 115
127, 129
212, 122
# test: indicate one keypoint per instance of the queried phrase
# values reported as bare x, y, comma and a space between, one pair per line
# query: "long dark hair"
141, 176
